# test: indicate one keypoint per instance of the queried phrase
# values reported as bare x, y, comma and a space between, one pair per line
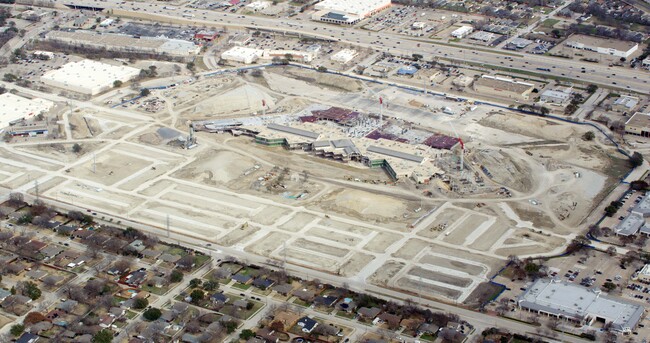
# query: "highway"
602, 75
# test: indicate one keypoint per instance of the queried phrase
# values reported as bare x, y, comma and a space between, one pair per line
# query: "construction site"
368, 181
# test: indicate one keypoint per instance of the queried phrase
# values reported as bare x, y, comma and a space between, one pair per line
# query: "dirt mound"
365, 204
243, 99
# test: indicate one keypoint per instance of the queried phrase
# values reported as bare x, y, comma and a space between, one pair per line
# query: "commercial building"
344, 56
14, 108
646, 63
258, 6
301, 56
630, 225
644, 274
462, 32
503, 87
463, 81
125, 43
206, 35
88, 77
643, 207
558, 97
580, 305
605, 46
242, 54
106, 22
482, 36
638, 124
347, 12
625, 103
518, 44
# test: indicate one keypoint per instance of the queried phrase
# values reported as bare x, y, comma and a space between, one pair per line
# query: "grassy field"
550, 22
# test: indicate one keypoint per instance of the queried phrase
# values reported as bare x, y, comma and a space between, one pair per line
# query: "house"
114, 270
34, 246
67, 306
65, 229
219, 298
368, 313
325, 300
136, 278
255, 340
4, 294
157, 281
241, 278
180, 307
50, 251
241, 303
169, 258
283, 289
106, 320
149, 253
137, 245
267, 335
83, 234
36, 274
391, 320
189, 338
304, 295
117, 311
428, 328
263, 283
347, 305
168, 315
40, 327
307, 324
27, 338
54, 315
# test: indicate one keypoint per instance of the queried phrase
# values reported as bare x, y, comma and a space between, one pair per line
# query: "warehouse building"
88, 77
462, 32
482, 36
581, 305
503, 87
604, 46
126, 43
347, 12
14, 108
638, 124
344, 56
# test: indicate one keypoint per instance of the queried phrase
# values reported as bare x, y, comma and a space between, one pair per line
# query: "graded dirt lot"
537, 183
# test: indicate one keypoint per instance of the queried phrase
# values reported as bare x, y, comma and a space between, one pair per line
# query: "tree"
176, 276
17, 330
9, 77
636, 159
152, 314
16, 199
609, 286
321, 69
197, 296
589, 136
117, 83
33, 318
103, 336
145, 92
210, 285
76, 148
246, 334
592, 88
140, 303
639, 185
230, 326
31, 290
194, 283
191, 66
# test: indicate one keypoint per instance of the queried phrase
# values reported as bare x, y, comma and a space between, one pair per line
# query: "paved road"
599, 74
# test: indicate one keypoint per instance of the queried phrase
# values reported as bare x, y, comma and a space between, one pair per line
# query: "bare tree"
16, 199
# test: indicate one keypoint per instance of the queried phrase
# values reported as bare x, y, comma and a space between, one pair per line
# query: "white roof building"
258, 5
348, 12
359, 8
625, 103
14, 108
605, 46
462, 31
552, 96
242, 54
482, 36
579, 304
344, 56
88, 77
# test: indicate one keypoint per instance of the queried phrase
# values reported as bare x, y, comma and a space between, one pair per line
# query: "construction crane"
381, 104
